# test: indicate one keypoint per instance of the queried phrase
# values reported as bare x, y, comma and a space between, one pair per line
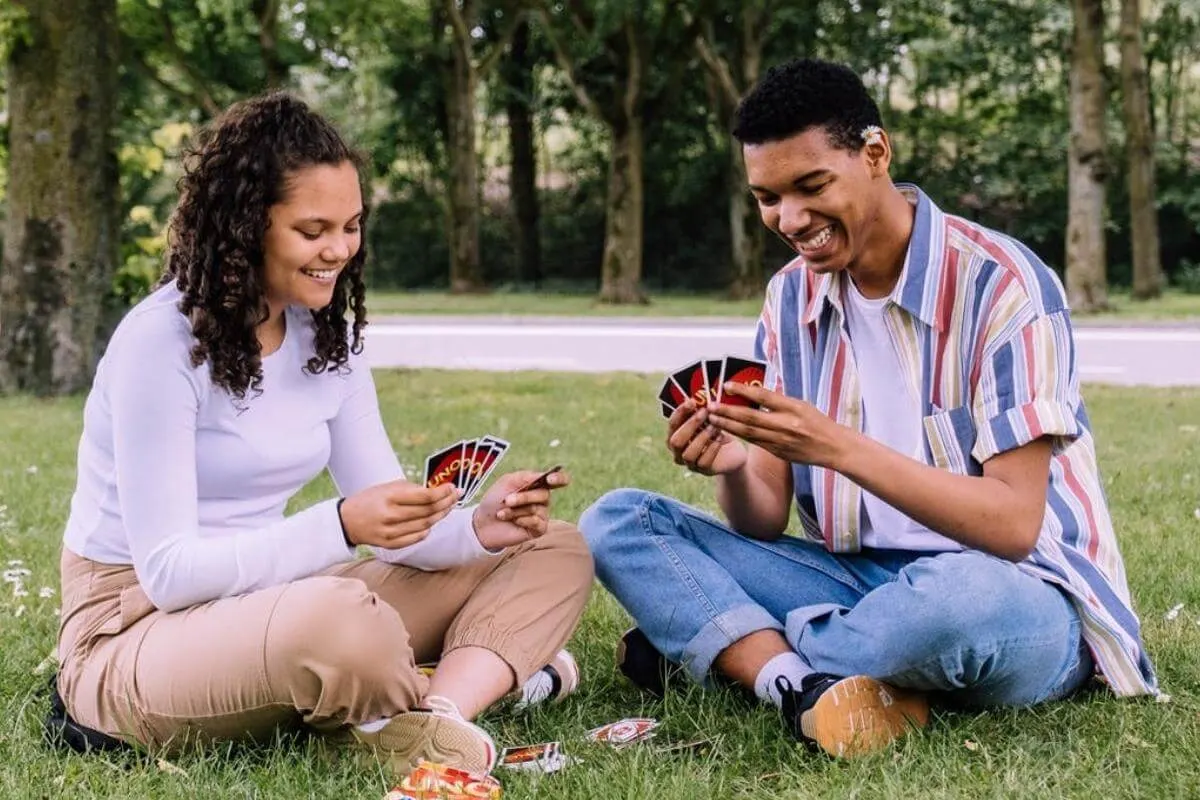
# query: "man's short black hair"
805, 93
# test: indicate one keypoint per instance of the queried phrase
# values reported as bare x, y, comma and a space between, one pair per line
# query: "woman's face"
313, 233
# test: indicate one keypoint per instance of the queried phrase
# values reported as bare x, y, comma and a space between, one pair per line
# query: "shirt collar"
921, 276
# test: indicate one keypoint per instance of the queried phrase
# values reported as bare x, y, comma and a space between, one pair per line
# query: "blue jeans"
964, 623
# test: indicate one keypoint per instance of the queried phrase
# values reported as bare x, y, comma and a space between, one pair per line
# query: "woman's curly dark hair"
235, 169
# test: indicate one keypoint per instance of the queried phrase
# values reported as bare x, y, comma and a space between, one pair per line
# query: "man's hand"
699, 446
395, 514
792, 430
506, 516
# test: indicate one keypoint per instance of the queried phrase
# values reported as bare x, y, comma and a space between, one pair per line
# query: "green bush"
1187, 277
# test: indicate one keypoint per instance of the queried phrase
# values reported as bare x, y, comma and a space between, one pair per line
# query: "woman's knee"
573, 555
337, 622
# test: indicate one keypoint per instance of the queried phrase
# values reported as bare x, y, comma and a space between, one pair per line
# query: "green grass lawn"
1173, 306
606, 429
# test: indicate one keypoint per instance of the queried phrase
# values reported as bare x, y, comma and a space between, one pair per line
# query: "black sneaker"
849, 717
60, 730
645, 667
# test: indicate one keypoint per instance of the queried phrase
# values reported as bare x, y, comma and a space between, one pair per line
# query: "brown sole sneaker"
414, 735
860, 715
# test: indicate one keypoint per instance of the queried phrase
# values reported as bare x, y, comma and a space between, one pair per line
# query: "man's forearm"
984, 513
752, 503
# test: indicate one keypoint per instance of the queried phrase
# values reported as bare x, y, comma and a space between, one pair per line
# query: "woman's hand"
395, 514
506, 516
699, 446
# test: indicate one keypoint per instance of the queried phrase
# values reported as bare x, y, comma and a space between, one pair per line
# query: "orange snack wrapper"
430, 781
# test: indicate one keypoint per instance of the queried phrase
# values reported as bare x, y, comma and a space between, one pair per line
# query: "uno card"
545, 757
496, 448
445, 465
625, 732
671, 396
463, 478
540, 481
691, 380
479, 457
742, 370
712, 378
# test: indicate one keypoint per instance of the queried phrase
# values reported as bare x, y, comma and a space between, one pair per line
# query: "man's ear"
877, 152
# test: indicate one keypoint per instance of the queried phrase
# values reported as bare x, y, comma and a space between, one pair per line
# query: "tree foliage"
974, 94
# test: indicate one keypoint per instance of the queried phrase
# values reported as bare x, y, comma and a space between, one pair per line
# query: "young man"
922, 407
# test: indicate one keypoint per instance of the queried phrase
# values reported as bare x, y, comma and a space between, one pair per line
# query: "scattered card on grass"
625, 732
546, 757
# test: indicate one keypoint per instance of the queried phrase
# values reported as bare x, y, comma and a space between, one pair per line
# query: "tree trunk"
1087, 171
1139, 148
518, 82
746, 230
621, 269
745, 226
61, 233
465, 273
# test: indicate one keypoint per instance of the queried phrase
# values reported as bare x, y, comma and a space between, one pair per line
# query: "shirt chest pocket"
949, 439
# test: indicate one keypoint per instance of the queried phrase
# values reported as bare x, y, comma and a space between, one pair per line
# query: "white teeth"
817, 240
321, 275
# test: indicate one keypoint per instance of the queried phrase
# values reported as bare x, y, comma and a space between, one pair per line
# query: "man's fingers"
749, 433
697, 447
684, 410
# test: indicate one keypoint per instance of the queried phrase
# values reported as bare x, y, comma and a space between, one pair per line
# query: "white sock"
371, 727
539, 686
788, 665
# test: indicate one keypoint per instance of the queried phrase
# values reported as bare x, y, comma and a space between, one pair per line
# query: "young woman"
192, 606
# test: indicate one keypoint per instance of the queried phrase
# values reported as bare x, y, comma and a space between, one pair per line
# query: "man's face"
819, 198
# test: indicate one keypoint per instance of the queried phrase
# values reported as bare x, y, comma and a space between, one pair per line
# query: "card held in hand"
691, 380
741, 370
445, 465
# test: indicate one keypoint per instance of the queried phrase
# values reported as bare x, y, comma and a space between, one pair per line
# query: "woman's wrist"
342, 522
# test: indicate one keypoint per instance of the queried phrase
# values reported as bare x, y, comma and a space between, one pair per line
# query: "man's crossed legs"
973, 629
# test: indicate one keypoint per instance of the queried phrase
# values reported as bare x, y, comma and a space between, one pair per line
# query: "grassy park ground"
607, 431
1174, 306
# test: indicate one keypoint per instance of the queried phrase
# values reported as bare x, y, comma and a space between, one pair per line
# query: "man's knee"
612, 516
964, 593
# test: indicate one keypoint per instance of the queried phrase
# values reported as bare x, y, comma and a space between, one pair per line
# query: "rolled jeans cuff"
799, 618
720, 632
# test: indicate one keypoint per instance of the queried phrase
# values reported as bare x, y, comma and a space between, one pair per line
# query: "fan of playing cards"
466, 464
703, 381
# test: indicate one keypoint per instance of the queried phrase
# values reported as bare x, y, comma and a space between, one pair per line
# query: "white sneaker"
438, 733
552, 682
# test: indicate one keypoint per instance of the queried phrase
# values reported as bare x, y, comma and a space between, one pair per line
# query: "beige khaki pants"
334, 649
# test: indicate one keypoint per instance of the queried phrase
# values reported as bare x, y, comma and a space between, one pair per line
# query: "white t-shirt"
891, 416
177, 480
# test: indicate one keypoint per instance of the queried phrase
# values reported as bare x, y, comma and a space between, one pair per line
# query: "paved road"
1158, 356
